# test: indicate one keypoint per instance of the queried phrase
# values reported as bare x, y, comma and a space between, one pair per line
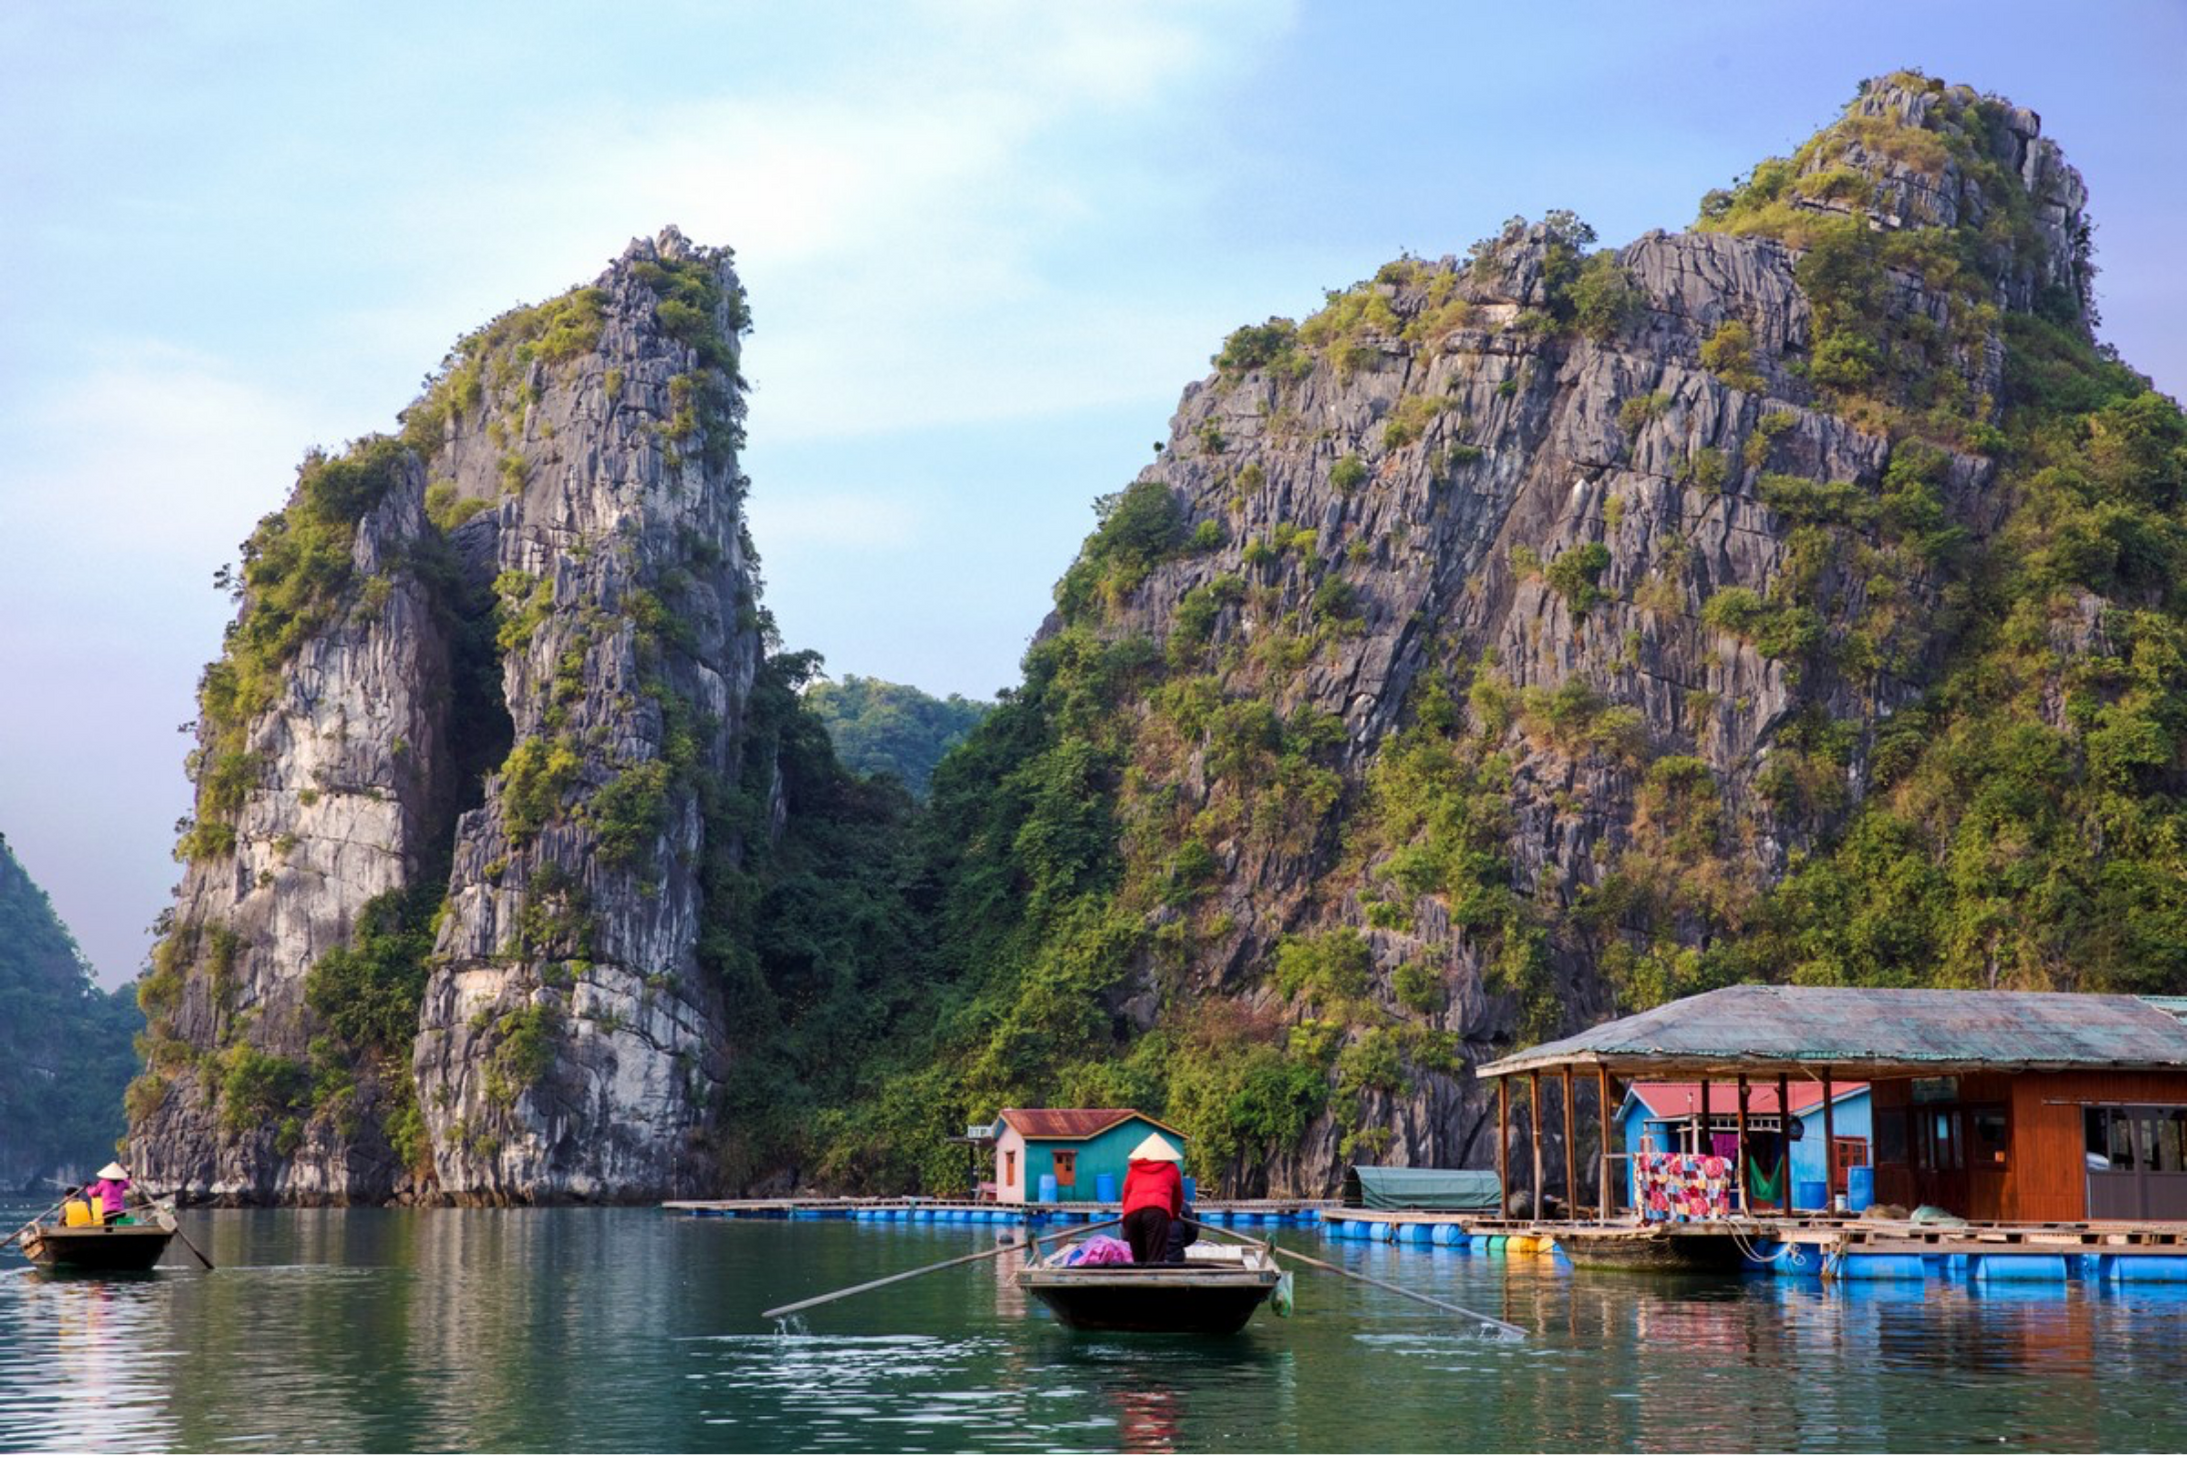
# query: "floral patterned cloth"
1676, 1187
1097, 1251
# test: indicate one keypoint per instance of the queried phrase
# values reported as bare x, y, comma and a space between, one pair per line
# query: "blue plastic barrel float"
1860, 1187
1379, 1231
2135, 1267
2019, 1266
1876, 1266
1415, 1233
1447, 1234
1105, 1189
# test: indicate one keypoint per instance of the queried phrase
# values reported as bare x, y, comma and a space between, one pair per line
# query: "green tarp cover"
1404, 1188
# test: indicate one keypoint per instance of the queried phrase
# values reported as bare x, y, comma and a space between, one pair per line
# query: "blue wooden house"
1076, 1147
1669, 1116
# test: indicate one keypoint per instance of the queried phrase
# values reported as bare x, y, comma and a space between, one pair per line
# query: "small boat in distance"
135, 1247
1215, 1289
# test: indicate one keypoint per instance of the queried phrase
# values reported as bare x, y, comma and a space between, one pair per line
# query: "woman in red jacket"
1154, 1196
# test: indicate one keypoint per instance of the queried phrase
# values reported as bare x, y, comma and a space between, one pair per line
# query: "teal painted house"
1075, 1146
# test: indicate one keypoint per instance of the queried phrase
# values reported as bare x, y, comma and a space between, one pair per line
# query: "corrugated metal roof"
1667, 1099
1757, 1026
1075, 1124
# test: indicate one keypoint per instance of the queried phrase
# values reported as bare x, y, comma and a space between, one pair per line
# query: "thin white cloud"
915, 219
837, 520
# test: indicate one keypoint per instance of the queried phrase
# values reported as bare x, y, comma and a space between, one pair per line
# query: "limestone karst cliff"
1538, 634
1525, 637
477, 759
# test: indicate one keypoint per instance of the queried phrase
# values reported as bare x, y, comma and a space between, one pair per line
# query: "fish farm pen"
1963, 1136
1844, 1250
915, 1209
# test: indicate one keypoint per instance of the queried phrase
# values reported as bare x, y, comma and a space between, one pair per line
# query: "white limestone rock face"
349, 763
512, 708
569, 1047
1514, 446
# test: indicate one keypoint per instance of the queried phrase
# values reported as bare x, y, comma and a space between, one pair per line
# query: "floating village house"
1084, 1151
1666, 1116
2011, 1107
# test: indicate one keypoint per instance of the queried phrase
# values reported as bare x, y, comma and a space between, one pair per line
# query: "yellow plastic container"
98, 1210
75, 1213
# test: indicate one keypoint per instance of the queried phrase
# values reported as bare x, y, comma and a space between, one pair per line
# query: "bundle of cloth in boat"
1679, 1187
1098, 1251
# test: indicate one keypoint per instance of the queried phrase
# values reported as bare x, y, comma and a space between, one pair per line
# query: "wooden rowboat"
1217, 1289
132, 1248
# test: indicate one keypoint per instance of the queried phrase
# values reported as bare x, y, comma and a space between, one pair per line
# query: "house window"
1989, 1137
1846, 1151
1939, 1144
1066, 1167
1891, 1136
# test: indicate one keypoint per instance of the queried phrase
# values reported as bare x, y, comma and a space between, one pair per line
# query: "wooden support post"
1503, 1144
1830, 1148
1784, 1136
1702, 1142
1571, 1152
1745, 1204
1605, 1202
1534, 1129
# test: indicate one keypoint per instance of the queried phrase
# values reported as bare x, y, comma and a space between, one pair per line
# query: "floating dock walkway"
984, 1213
1844, 1249
1839, 1249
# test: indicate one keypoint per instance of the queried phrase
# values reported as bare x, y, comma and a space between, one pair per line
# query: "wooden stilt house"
1996, 1106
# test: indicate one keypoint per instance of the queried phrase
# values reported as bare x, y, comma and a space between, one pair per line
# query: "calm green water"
629, 1329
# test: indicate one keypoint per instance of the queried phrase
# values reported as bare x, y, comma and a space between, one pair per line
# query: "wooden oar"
168, 1206
988, 1255
32, 1224
1507, 1329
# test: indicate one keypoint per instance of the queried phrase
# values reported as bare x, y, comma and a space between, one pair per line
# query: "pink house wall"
1011, 1143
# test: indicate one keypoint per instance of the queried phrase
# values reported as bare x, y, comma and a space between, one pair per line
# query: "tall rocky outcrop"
64, 1044
1535, 635
1524, 638
439, 931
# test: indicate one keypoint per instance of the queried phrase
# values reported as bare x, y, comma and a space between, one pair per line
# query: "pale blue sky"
987, 244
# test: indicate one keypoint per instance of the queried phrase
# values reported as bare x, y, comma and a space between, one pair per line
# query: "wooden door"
1938, 1136
1846, 1151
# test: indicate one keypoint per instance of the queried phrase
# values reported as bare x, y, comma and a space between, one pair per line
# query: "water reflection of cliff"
625, 1329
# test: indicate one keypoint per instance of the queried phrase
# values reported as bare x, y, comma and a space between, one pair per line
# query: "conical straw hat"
113, 1171
1154, 1147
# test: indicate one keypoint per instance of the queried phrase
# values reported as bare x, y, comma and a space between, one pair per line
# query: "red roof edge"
1076, 1124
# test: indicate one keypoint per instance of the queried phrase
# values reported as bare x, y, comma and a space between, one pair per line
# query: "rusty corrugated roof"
1757, 1027
1074, 1124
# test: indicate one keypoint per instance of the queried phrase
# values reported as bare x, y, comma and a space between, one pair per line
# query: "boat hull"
1150, 1299
97, 1248
1652, 1249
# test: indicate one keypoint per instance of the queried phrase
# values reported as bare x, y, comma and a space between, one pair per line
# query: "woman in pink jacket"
112, 1189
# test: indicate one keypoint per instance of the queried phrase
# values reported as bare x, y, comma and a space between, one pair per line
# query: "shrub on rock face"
1575, 573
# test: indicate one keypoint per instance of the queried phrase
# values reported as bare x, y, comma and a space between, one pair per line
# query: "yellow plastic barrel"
98, 1210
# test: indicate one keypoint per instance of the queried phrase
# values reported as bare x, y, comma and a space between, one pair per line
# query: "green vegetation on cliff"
64, 1044
2022, 822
